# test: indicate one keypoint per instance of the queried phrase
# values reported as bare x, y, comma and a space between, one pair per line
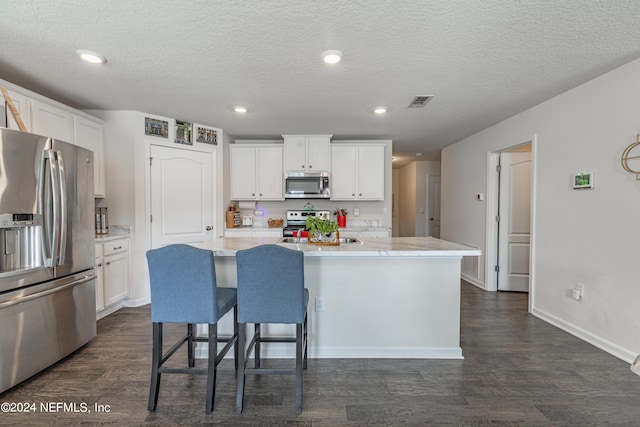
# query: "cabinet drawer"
115, 246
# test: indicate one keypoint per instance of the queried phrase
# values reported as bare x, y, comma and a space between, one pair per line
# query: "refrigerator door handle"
55, 231
16, 301
45, 199
63, 209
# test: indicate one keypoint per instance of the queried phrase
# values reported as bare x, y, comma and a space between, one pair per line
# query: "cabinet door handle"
302, 166
353, 194
253, 194
260, 194
310, 166
360, 194
108, 262
115, 248
99, 265
209, 228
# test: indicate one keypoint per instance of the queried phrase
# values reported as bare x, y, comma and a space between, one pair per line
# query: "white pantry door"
433, 228
181, 196
514, 235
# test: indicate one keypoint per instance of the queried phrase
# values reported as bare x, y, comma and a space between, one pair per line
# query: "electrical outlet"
320, 303
356, 211
578, 291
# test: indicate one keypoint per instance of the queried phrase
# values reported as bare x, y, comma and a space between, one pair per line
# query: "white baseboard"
601, 343
473, 280
136, 302
109, 310
283, 351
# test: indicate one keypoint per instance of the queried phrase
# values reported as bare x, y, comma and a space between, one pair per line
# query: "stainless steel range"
296, 220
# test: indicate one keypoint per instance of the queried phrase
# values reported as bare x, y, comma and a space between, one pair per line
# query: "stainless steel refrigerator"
47, 252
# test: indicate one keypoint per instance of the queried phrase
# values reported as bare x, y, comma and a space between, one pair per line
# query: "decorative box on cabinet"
90, 135
307, 153
357, 172
256, 172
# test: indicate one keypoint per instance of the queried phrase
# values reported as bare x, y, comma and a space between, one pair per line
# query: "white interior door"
514, 230
182, 197
434, 205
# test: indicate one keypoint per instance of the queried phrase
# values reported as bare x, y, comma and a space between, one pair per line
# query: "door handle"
209, 228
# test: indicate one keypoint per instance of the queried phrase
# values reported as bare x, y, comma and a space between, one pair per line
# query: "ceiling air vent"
420, 101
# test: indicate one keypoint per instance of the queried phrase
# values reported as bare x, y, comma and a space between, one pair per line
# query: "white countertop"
112, 235
380, 247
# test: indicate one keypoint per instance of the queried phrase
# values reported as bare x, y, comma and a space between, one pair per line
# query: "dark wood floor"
518, 371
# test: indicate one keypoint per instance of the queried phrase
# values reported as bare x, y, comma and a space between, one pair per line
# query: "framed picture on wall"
156, 127
206, 135
183, 132
583, 180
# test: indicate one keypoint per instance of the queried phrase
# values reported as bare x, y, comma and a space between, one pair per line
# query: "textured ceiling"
483, 61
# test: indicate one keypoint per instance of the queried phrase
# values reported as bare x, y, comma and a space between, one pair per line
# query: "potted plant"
322, 230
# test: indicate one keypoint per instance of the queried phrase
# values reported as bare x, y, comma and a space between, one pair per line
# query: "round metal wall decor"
630, 153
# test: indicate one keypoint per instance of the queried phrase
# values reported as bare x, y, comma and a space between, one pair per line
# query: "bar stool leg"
299, 338
241, 366
211, 366
155, 366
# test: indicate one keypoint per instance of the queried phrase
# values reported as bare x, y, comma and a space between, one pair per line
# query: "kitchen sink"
343, 240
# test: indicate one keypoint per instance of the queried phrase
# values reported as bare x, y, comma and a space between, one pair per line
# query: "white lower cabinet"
240, 232
365, 234
99, 278
112, 269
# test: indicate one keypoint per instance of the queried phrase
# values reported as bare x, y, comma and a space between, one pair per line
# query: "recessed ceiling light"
380, 110
240, 109
91, 56
332, 56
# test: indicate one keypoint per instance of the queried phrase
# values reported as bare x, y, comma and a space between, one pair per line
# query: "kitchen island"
384, 298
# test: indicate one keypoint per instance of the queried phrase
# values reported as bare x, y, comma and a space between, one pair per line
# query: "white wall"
413, 198
586, 236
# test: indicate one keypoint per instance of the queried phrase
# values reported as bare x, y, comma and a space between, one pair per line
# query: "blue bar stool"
271, 290
183, 290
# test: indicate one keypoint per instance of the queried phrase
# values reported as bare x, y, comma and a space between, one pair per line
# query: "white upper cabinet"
21, 103
90, 135
307, 153
256, 172
357, 172
51, 121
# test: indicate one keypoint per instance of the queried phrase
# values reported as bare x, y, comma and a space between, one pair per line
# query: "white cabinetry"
255, 232
256, 172
51, 121
365, 234
113, 267
357, 172
99, 278
21, 103
90, 135
306, 153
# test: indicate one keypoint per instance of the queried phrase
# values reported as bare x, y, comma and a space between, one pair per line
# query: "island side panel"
389, 307
385, 307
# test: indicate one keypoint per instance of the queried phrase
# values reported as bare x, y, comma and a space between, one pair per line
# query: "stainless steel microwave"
306, 185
